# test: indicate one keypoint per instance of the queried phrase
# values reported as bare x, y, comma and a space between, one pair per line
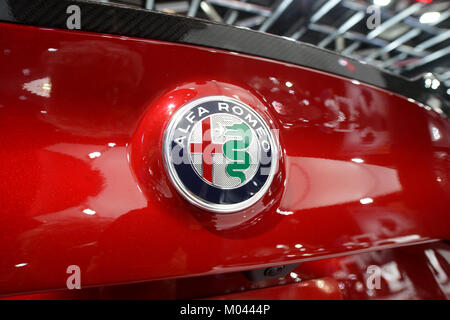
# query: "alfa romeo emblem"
219, 154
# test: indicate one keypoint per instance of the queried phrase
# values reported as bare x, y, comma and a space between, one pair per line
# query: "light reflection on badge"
219, 154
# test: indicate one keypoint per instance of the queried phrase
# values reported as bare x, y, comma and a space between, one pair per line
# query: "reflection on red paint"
318, 289
93, 144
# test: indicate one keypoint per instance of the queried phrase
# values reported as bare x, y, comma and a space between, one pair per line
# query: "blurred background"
410, 38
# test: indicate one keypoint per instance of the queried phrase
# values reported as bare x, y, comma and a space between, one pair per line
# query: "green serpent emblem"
232, 149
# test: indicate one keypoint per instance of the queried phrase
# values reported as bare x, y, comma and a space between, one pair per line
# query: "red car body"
363, 176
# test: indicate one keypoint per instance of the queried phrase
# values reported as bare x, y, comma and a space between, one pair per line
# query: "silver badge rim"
178, 184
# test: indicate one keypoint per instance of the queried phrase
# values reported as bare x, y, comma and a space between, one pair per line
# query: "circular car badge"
219, 154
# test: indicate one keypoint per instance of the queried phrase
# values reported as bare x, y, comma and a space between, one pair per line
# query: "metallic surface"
345, 277
126, 21
409, 273
307, 290
82, 179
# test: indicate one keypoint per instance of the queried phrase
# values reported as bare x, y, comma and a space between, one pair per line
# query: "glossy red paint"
414, 272
81, 120
151, 175
319, 289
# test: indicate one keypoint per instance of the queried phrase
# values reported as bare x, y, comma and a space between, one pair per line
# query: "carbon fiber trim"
125, 21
